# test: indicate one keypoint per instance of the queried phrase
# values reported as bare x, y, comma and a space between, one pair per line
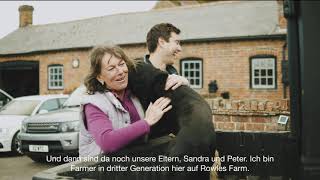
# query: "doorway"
20, 78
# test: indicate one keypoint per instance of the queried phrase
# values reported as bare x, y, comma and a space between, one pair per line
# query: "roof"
208, 21
42, 97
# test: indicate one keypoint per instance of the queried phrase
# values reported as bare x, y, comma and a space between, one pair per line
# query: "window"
20, 107
3, 99
49, 105
192, 70
263, 75
61, 101
55, 77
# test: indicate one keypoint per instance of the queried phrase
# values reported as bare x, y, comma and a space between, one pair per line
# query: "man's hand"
174, 81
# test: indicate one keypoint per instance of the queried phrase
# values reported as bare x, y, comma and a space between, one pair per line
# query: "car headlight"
4, 131
23, 128
72, 126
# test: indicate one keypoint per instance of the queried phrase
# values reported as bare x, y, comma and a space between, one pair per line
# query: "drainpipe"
285, 83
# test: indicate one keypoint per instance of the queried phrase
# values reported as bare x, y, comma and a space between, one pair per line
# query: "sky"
46, 12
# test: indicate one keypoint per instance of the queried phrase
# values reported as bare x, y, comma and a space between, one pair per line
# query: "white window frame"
183, 62
55, 75
263, 63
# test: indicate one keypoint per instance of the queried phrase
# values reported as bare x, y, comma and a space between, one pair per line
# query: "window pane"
256, 81
256, 72
263, 81
197, 81
60, 70
191, 65
263, 72
55, 70
197, 74
263, 64
197, 65
191, 74
270, 81
60, 76
50, 105
62, 100
269, 72
60, 83
186, 66
186, 73
192, 81
20, 107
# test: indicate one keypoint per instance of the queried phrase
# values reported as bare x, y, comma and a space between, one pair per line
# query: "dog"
190, 118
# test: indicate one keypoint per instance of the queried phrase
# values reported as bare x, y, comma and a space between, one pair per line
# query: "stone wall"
249, 114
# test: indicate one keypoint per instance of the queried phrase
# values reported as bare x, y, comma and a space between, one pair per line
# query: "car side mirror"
43, 111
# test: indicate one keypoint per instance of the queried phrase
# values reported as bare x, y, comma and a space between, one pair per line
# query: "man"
163, 44
190, 117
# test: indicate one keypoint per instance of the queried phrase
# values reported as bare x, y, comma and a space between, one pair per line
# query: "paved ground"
14, 167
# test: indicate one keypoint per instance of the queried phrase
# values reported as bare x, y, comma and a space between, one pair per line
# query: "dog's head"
147, 81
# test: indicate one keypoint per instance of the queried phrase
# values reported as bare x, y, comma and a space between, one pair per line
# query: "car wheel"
16, 144
37, 158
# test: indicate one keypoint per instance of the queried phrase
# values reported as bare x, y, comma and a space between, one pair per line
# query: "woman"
111, 116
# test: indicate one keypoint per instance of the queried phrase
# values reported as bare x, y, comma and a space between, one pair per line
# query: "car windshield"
19, 107
75, 98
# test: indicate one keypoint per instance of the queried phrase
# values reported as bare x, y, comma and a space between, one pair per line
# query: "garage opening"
20, 78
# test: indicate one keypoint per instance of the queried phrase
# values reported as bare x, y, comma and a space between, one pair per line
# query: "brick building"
221, 39
239, 44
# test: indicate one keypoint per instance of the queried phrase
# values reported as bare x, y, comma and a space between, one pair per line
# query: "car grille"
42, 127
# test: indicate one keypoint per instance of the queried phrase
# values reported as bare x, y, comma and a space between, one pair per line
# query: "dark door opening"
20, 78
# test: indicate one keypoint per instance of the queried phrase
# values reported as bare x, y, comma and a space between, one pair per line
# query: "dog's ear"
159, 83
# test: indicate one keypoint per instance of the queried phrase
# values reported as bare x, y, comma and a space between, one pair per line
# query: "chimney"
25, 18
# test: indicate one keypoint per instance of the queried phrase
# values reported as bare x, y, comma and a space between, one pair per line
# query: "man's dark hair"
162, 30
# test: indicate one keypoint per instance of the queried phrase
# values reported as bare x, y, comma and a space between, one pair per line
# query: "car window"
3, 99
61, 101
19, 107
49, 105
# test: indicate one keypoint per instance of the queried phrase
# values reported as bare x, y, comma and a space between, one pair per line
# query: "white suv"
12, 114
55, 133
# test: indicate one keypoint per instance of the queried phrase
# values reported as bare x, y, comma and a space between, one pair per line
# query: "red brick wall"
72, 77
227, 62
249, 114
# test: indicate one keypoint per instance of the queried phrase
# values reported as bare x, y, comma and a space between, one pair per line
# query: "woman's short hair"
96, 56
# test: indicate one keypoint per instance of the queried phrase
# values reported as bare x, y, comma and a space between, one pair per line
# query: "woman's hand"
156, 110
